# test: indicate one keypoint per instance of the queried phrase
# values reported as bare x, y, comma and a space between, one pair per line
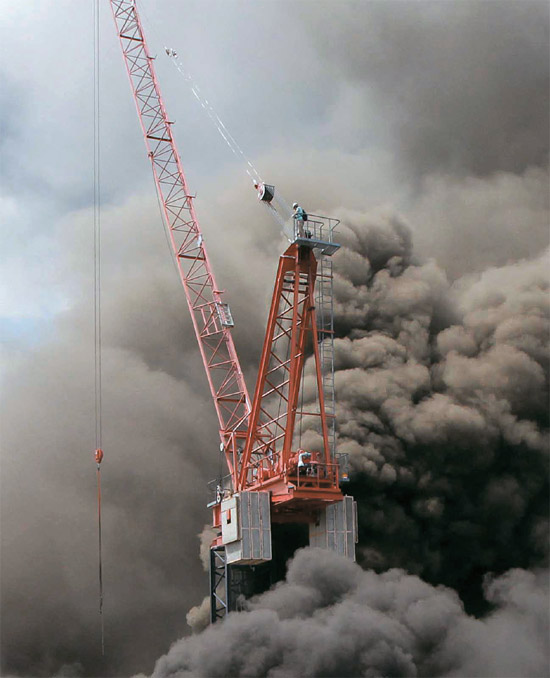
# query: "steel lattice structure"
271, 478
258, 441
270, 445
211, 316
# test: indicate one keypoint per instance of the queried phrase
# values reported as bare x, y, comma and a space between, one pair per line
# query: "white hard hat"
294, 205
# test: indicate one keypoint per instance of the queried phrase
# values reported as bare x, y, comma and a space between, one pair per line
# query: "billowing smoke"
461, 86
442, 393
424, 127
161, 449
330, 618
442, 405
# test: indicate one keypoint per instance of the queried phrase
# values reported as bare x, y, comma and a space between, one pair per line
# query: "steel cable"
97, 302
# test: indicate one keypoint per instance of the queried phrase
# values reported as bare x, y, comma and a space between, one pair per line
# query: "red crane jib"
259, 441
204, 299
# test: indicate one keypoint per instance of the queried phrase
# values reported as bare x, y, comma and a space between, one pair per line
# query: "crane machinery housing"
275, 490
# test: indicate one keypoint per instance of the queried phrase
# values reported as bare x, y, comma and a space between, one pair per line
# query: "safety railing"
263, 468
315, 475
312, 475
316, 228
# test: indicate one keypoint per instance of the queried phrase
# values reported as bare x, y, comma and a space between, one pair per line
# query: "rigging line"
97, 303
220, 466
100, 560
214, 117
301, 410
97, 235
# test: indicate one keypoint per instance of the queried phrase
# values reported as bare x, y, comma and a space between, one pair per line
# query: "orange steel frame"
204, 297
269, 459
257, 440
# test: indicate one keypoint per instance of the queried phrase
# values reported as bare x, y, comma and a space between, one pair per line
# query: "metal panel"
234, 551
265, 524
254, 518
225, 316
230, 521
336, 528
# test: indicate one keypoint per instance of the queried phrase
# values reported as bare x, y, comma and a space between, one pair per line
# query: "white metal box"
230, 523
246, 528
336, 528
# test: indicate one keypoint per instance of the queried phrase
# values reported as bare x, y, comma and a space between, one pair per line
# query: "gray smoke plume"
442, 393
424, 127
161, 449
154, 471
442, 404
330, 618
461, 87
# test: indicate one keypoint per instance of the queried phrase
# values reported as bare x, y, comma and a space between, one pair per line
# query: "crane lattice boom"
211, 317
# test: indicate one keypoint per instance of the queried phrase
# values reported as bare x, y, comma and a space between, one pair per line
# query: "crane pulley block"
266, 193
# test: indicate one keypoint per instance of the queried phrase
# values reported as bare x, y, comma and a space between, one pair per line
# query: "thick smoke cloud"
161, 450
154, 472
459, 92
330, 618
482, 221
424, 127
442, 405
442, 393
462, 86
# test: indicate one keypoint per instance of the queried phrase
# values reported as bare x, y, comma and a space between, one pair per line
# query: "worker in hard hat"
302, 456
299, 217
303, 461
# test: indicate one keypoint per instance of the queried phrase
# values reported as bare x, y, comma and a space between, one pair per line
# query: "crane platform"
317, 234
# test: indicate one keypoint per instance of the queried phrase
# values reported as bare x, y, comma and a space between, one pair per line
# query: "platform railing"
316, 228
312, 475
315, 475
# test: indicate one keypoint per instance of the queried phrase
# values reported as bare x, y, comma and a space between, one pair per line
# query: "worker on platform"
300, 217
304, 459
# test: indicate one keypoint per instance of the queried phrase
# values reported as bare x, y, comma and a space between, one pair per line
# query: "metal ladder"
324, 302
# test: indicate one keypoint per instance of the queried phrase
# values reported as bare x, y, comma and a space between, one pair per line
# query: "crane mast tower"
272, 482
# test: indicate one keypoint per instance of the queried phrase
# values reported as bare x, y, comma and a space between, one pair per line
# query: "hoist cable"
97, 237
207, 106
301, 411
215, 118
97, 303
100, 560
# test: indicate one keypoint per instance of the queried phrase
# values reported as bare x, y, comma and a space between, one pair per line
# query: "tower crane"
272, 483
